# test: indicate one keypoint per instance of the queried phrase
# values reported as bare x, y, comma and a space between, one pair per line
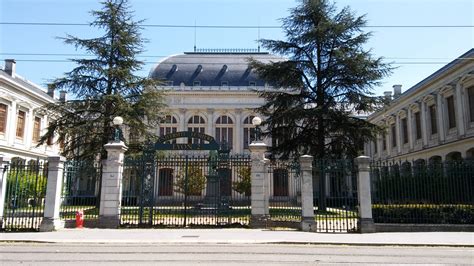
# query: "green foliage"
244, 184
196, 181
423, 214
104, 86
24, 186
327, 80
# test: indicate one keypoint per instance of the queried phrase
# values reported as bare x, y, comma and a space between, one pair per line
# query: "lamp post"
118, 121
256, 122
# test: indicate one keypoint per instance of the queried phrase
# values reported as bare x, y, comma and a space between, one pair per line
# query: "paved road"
226, 254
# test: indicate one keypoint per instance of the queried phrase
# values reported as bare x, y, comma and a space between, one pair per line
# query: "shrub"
423, 214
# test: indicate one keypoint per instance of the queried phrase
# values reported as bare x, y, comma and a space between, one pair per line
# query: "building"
212, 92
433, 120
22, 122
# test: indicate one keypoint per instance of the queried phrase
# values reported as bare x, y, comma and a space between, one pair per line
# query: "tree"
326, 81
104, 86
244, 184
193, 183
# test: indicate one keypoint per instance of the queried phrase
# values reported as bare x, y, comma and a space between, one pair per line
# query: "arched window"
224, 130
168, 125
196, 124
249, 131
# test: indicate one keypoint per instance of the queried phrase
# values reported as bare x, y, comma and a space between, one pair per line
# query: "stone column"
460, 110
410, 128
424, 124
182, 125
238, 131
4, 162
52, 204
210, 122
398, 136
440, 119
366, 223
259, 199
307, 207
111, 193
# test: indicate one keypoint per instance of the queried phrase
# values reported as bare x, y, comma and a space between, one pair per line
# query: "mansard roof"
211, 69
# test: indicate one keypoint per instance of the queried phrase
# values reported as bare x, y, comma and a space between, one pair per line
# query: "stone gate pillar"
4, 162
366, 223
259, 197
52, 204
307, 207
111, 192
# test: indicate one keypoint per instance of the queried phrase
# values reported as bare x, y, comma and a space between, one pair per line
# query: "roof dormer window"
196, 83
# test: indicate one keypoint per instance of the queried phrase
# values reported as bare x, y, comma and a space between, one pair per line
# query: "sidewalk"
237, 236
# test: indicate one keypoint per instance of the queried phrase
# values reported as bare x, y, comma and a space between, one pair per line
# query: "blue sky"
416, 52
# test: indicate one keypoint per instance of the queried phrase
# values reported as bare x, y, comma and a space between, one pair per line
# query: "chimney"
10, 67
50, 91
387, 95
62, 96
397, 90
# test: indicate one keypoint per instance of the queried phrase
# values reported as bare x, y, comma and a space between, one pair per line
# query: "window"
470, 93
280, 182
196, 124
224, 83
249, 131
3, 118
252, 83
20, 124
394, 135
417, 125
224, 130
375, 147
451, 113
165, 182
168, 125
433, 121
405, 130
384, 142
196, 83
37, 129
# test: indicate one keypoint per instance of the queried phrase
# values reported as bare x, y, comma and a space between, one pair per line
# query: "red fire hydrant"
79, 219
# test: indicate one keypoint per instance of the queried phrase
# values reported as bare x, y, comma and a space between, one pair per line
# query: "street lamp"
256, 122
118, 121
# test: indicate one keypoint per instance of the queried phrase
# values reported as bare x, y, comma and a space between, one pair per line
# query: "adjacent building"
22, 122
433, 120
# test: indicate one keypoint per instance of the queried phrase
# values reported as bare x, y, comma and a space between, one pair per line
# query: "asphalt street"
226, 254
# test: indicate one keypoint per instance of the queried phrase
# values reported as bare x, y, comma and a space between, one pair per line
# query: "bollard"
79, 219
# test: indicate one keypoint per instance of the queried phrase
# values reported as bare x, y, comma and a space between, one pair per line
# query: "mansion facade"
22, 123
432, 121
214, 93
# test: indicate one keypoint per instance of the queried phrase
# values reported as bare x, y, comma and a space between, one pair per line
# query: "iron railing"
417, 192
25, 194
335, 195
81, 189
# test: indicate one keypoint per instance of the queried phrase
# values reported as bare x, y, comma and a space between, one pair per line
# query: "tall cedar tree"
326, 81
104, 86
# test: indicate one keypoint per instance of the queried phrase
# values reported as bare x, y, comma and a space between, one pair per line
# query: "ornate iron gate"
335, 195
25, 193
186, 190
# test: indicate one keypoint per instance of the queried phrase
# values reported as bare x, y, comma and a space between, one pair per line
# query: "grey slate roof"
25, 84
211, 69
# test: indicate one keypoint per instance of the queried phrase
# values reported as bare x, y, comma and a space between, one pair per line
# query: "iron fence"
417, 192
81, 189
284, 189
180, 191
25, 193
335, 195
